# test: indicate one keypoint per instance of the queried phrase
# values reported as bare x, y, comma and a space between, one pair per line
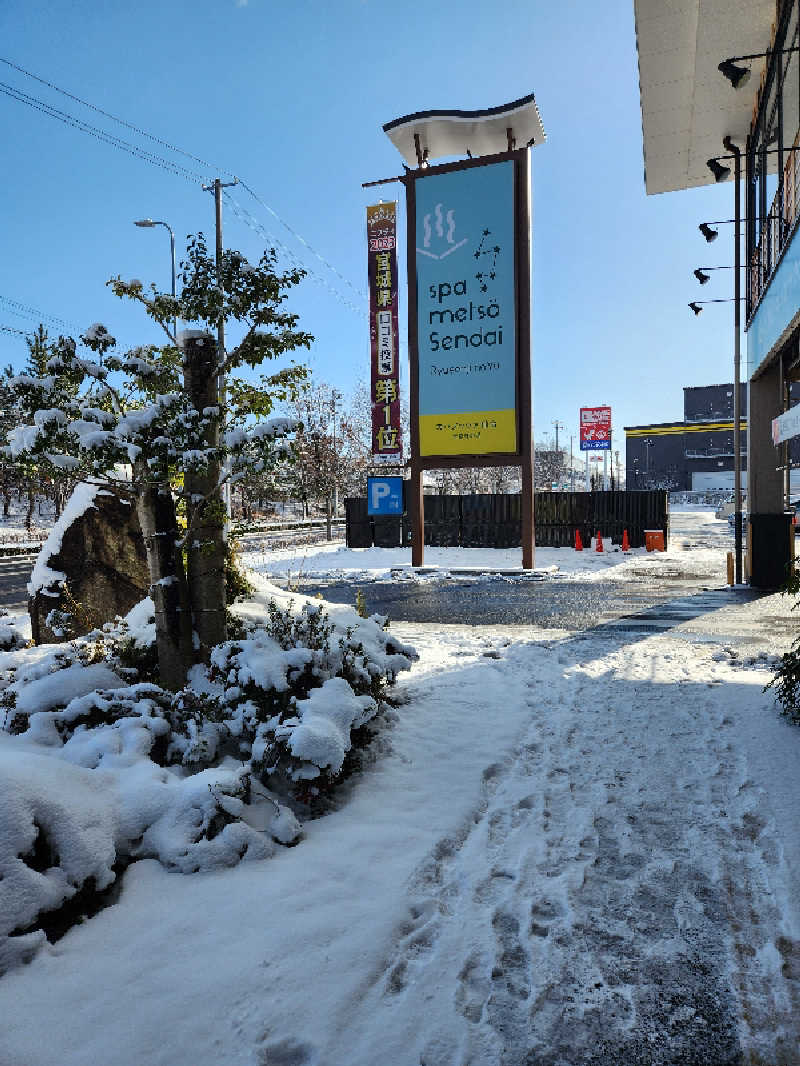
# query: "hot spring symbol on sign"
466, 313
440, 217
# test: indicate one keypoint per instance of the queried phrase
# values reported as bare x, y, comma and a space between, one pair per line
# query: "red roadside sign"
595, 429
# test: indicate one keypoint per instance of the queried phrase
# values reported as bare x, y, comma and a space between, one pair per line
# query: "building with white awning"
720, 90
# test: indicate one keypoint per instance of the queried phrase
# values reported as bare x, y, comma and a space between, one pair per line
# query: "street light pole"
737, 413
148, 223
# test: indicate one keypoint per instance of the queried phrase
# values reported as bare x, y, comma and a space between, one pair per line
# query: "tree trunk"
29, 513
156, 511
206, 542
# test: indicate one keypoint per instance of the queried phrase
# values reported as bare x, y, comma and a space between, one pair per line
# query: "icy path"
618, 896
570, 850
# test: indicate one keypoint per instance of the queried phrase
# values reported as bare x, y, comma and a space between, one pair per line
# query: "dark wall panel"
494, 521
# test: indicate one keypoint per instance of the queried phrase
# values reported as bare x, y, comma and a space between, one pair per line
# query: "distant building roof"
721, 385
667, 429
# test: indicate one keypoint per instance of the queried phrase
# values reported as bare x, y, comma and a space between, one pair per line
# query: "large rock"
94, 558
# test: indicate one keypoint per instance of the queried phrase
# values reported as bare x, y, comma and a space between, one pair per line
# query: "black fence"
495, 521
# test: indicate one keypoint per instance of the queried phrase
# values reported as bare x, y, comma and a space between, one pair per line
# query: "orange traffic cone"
599, 547
626, 544
578, 541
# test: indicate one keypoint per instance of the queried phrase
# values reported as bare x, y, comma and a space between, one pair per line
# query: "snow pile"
36, 697
66, 829
101, 769
56, 833
11, 635
320, 734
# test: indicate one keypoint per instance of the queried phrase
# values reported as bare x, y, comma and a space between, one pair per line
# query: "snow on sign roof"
687, 104
448, 133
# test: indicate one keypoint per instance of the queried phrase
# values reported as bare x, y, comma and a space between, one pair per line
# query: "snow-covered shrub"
56, 835
237, 587
10, 636
37, 695
100, 768
786, 683
290, 697
61, 623
75, 814
267, 699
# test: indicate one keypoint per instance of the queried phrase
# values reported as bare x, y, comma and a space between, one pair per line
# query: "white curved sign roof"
455, 133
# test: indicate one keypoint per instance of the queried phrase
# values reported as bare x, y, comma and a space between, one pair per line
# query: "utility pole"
648, 444
571, 466
216, 187
558, 425
331, 487
334, 397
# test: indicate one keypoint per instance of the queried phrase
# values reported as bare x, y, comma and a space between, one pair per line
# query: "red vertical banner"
387, 444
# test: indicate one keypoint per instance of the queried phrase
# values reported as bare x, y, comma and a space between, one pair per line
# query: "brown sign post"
469, 250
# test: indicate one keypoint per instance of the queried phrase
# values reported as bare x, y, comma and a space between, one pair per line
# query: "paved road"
15, 573
635, 606
550, 602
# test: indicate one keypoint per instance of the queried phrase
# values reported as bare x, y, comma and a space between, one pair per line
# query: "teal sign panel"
466, 310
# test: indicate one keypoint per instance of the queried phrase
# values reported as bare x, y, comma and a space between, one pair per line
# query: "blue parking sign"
384, 495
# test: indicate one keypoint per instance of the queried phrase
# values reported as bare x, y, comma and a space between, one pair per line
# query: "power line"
360, 293
24, 311
98, 134
115, 118
249, 220
245, 216
166, 164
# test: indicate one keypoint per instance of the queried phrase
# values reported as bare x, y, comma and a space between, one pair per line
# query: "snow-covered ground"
563, 849
695, 527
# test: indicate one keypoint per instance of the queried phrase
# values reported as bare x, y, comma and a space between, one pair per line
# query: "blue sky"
292, 97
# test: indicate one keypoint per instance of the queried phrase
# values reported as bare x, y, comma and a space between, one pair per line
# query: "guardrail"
269, 540
242, 528
30, 548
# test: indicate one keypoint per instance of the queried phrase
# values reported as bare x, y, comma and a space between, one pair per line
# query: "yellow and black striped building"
695, 454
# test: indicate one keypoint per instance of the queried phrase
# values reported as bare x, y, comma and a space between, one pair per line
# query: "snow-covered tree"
32, 480
149, 425
314, 473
